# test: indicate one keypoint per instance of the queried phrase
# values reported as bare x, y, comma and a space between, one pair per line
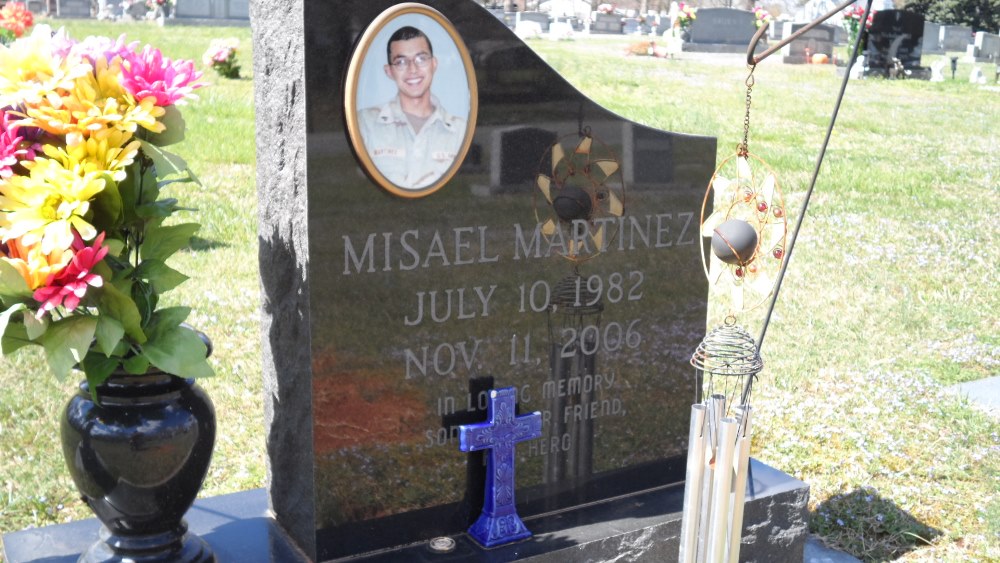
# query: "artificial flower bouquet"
84, 231
15, 19
761, 17
686, 15
852, 21
221, 57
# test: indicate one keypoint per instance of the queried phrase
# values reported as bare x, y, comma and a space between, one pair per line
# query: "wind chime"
749, 252
580, 197
747, 229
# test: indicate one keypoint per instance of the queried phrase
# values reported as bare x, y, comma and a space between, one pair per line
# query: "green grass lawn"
888, 299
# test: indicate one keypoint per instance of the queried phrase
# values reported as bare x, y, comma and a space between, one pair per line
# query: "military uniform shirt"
406, 158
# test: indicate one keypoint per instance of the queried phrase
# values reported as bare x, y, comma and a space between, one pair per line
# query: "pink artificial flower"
149, 73
10, 145
69, 286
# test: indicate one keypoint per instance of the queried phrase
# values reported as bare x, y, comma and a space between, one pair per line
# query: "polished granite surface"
236, 526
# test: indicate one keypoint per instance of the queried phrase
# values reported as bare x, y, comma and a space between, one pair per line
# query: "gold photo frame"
411, 57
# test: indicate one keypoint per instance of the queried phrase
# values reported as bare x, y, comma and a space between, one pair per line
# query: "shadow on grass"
198, 244
868, 526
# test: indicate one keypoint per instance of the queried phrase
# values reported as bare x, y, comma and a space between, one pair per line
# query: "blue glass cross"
499, 523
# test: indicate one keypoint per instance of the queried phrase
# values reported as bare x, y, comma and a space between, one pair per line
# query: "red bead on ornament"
778, 253
762, 206
778, 212
739, 272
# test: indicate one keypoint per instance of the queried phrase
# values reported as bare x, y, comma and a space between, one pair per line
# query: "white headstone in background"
986, 48
937, 70
977, 76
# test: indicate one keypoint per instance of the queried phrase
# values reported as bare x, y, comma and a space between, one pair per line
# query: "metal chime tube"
741, 463
717, 537
697, 437
716, 410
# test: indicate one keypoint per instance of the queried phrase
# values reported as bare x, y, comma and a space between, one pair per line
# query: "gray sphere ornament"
572, 203
734, 242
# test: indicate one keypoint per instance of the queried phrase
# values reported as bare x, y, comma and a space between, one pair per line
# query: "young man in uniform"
411, 139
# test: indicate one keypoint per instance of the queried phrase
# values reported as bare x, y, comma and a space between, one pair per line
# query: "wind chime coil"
571, 296
729, 351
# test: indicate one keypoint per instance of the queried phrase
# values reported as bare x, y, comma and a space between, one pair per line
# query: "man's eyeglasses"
421, 61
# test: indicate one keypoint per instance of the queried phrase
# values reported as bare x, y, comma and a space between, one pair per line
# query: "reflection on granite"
236, 526
640, 527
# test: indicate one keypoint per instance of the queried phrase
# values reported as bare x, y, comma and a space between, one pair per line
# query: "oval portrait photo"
411, 100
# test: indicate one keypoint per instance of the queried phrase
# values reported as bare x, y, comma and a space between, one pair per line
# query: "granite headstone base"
644, 527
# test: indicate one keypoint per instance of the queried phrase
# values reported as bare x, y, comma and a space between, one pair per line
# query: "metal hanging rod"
752, 59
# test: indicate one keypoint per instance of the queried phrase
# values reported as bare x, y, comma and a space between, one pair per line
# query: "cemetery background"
888, 300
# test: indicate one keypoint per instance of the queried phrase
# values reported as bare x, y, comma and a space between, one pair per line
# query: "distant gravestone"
775, 30
73, 8
537, 17
932, 39
840, 35
895, 39
818, 40
985, 48
213, 9
632, 26
722, 30
606, 23
513, 164
955, 37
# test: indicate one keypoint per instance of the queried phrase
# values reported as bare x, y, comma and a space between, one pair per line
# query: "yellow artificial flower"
99, 154
92, 104
34, 265
30, 71
48, 204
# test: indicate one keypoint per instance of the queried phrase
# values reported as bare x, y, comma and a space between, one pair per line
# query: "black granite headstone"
895, 35
407, 299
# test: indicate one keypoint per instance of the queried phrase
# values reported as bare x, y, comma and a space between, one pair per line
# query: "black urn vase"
139, 456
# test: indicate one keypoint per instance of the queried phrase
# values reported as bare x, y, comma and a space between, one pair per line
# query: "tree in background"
980, 15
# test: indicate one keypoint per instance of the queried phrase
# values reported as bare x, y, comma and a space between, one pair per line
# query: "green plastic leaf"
179, 351
5, 325
167, 164
35, 327
174, 131
66, 343
163, 278
122, 308
13, 288
136, 365
109, 333
107, 205
14, 338
165, 320
115, 248
161, 242
98, 367
160, 208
